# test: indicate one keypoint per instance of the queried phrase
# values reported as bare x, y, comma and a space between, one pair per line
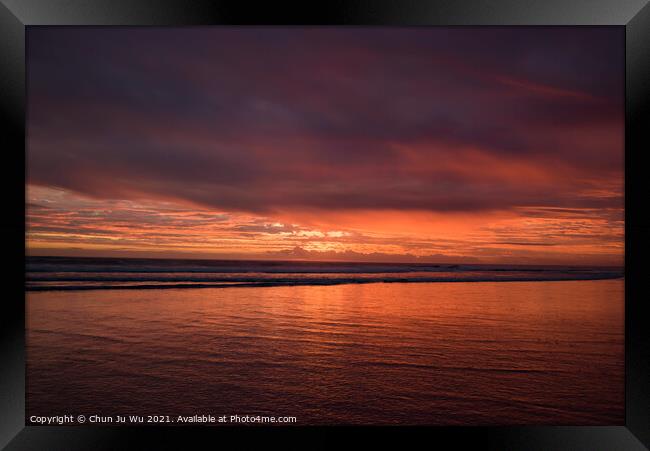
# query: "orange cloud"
63, 223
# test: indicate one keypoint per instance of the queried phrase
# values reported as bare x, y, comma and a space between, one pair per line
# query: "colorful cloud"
474, 144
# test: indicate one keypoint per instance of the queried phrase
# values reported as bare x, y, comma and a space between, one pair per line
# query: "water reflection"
433, 353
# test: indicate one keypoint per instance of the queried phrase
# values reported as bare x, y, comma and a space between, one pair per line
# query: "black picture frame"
16, 15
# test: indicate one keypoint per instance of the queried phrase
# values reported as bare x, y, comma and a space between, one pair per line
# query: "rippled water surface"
407, 353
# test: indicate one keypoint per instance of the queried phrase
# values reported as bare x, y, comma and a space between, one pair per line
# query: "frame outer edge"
12, 109
12, 226
327, 12
637, 226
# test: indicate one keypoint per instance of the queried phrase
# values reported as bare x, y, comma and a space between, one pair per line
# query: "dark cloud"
271, 119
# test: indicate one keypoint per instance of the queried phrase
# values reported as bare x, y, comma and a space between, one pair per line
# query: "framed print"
419, 220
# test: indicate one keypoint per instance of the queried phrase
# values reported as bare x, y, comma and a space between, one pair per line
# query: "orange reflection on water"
429, 353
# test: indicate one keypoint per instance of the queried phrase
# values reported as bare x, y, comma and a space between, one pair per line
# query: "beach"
436, 353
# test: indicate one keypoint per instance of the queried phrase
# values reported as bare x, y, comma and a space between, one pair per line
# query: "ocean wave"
88, 285
116, 265
59, 273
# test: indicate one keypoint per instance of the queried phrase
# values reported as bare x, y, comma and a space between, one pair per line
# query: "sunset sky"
492, 145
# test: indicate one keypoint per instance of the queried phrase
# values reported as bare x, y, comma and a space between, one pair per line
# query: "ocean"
326, 343
62, 273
